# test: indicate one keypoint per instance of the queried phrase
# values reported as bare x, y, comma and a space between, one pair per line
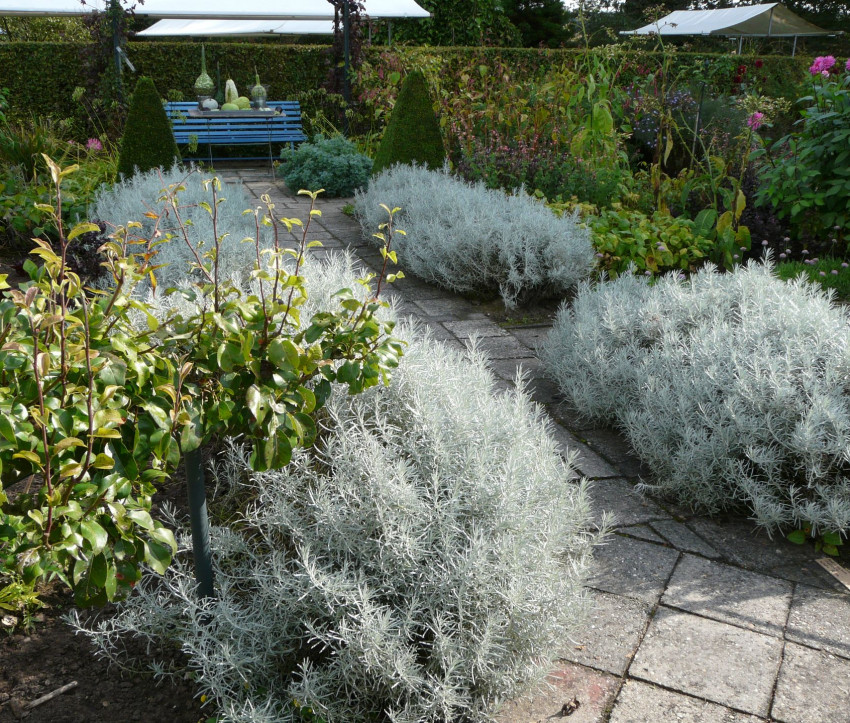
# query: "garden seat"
229, 128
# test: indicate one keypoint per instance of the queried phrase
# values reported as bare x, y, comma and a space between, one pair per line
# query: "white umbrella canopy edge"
236, 28
217, 9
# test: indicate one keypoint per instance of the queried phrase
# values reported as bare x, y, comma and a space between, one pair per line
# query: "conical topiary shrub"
147, 141
413, 132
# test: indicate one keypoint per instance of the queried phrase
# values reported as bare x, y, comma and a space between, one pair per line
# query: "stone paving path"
696, 619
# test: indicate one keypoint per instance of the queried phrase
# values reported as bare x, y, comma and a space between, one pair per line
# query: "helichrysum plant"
732, 388
422, 563
132, 198
471, 239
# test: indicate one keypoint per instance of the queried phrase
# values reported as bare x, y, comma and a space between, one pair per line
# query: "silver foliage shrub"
129, 199
468, 238
422, 563
732, 387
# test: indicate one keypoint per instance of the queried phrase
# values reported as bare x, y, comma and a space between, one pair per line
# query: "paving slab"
446, 308
614, 447
438, 331
542, 389
809, 573
642, 532
564, 411
589, 463
502, 347
594, 692
740, 542
709, 659
683, 538
813, 687
643, 703
729, 594
634, 568
821, 619
611, 634
627, 506
532, 337
478, 327
417, 289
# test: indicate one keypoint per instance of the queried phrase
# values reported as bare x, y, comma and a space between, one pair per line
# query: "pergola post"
346, 51
114, 9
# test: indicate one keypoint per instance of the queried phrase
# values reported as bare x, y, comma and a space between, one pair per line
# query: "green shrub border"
41, 76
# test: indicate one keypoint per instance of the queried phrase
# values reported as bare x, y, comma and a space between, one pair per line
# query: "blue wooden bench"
231, 128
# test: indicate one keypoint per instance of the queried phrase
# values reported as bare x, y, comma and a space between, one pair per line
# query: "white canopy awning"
218, 9
772, 20
237, 28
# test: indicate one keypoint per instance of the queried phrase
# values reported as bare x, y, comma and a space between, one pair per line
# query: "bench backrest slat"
224, 130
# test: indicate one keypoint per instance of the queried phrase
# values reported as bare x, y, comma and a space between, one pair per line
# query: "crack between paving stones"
626, 676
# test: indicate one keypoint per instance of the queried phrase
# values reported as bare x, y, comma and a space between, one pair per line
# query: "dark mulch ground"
51, 655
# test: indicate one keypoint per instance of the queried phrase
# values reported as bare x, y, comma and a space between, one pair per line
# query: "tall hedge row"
42, 76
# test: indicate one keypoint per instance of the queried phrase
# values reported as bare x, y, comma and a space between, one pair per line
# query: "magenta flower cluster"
93, 144
823, 64
755, 121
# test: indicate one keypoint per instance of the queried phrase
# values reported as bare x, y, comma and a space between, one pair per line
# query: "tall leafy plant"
806, 180
95, 410
80, 388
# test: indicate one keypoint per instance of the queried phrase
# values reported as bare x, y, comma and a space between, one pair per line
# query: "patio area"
695, 619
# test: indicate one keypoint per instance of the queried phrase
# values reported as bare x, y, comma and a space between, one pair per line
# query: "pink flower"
847, 65
756, 121
822, 64
93, 144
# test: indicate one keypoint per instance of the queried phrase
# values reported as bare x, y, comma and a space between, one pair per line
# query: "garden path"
696, 619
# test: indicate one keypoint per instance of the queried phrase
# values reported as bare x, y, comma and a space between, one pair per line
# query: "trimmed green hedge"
147, 142
42, 76
779, 75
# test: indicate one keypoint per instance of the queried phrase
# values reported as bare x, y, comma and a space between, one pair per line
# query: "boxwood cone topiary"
413, 132
147, 141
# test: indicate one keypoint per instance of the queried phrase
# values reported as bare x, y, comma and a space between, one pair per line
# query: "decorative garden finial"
204, 84
258, 92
